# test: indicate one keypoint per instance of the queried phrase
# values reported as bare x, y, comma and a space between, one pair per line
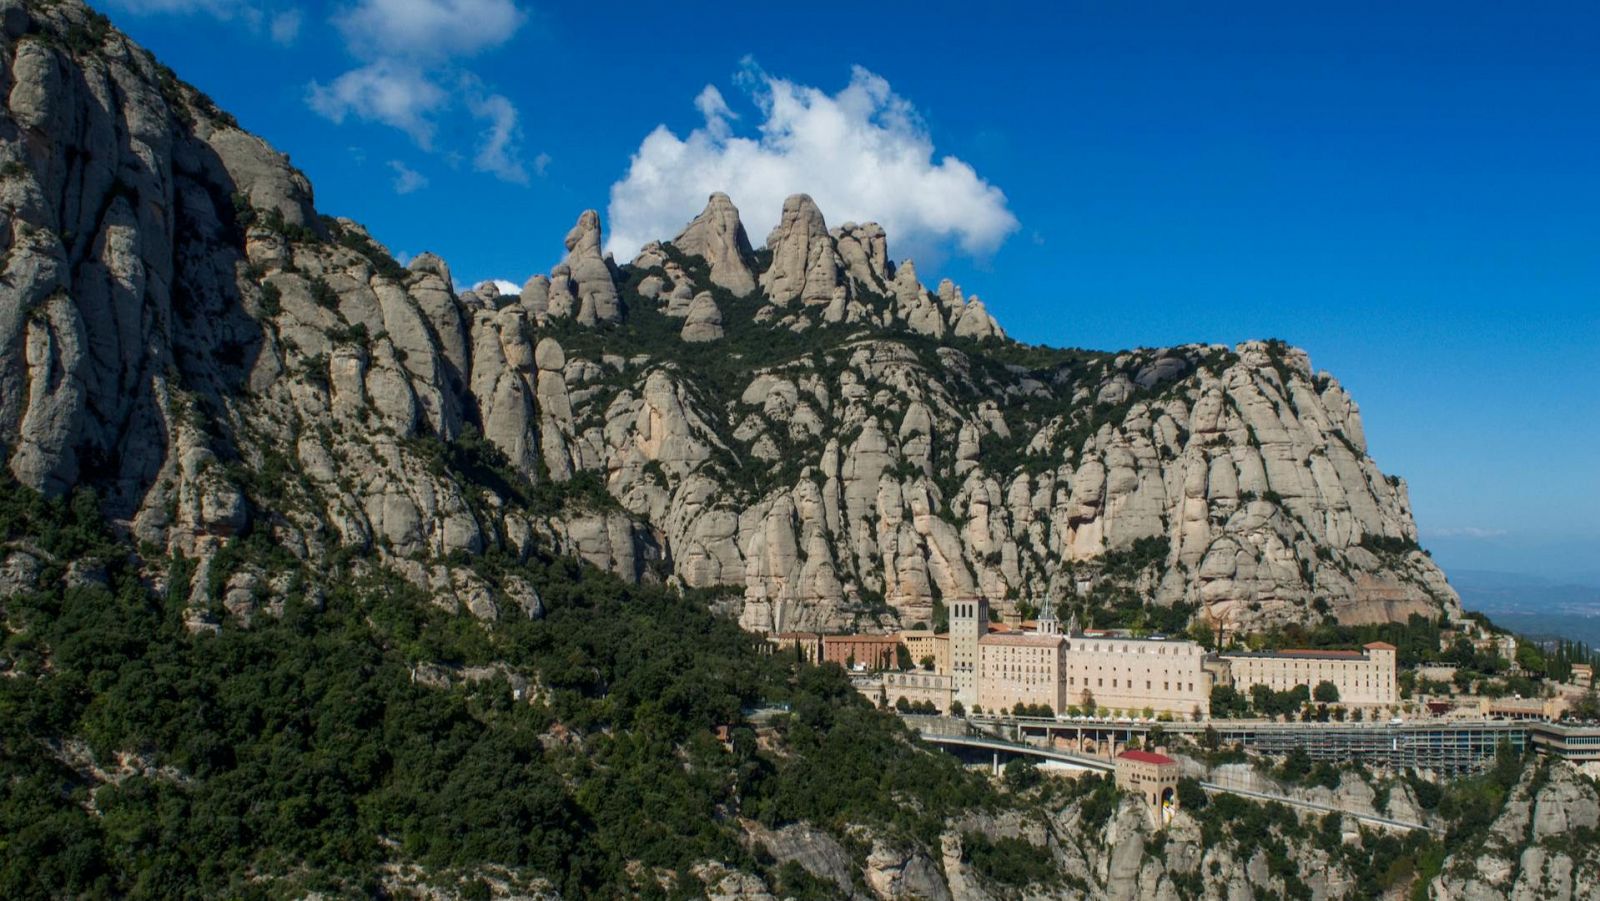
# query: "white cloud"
427, 29
541, 164
381, 92
222, 9
406, 179
499, 153
280, 23
412, 77
1465, 532
863, 154
285, 26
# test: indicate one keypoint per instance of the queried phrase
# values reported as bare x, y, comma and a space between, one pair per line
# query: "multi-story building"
918, 686
873, 652
969, 623
1021, 668
1114, 671
1364, 678
924, 644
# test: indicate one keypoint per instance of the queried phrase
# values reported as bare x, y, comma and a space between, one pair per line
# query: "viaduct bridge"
1449, 748
975, 743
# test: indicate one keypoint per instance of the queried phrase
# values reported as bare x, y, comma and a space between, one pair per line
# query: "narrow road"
1312, 805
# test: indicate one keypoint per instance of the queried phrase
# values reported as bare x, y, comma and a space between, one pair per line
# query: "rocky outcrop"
1537, 846
704, 322
588, 291
182, 319
805, 266
717, 236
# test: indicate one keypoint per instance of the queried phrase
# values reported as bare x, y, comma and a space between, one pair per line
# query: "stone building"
873, 652
1364, 678
923, 644
969, 623
805, 645
1021, 668
917, 686
1120, 672
1582, 675
1154, 778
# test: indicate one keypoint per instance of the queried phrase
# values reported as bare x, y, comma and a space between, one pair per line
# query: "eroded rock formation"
808, 426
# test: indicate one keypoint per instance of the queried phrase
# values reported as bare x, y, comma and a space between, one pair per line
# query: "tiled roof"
1147, 757
1026, 639
1302, 653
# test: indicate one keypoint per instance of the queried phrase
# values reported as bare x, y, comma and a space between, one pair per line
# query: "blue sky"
1410, 194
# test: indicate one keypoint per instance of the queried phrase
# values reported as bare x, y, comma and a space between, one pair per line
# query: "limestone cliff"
1542, 844
806, 424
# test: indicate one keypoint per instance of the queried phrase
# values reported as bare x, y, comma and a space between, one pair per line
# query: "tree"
927, 662
1227, 702
1587, 707
902, 658
1211, 739
1191, 796
1326, 692
1296, 765
1261, 699
1530, 658
902, 705
957, 709
1021, 774
1156, 737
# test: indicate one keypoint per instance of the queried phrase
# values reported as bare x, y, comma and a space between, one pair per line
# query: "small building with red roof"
1154, 778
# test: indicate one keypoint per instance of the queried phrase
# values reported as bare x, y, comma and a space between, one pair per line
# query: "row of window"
1100, 682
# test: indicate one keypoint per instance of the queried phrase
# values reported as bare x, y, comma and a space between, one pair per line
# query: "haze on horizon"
1408, 194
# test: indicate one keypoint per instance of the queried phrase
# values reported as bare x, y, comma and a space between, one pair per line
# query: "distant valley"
1533, 605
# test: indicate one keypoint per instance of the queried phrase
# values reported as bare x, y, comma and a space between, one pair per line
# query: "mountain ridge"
803, 428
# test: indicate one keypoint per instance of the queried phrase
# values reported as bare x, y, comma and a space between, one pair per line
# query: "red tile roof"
1147, 757
1313, 652
1025, 639
1380, 646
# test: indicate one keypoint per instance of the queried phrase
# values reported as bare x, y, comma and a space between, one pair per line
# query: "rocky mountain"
803, 427
1541, 845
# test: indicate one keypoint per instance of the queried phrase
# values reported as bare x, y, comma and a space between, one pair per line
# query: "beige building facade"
969, 623
924, 644
1021, 668
1365, 678
1154, 778
1118, 672
918, 686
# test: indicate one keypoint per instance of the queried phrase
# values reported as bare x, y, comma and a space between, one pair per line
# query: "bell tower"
969, 622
